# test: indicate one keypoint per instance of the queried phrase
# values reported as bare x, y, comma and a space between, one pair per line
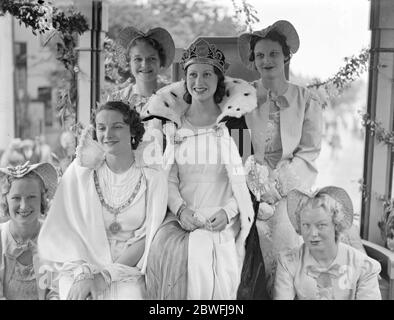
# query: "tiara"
203, 52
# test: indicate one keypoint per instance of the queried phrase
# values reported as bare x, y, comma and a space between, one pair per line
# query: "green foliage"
65, 26
245, 14
42, 17
386, 221
185, 20
376, 130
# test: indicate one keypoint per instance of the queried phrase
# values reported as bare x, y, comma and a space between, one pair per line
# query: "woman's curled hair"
130, 117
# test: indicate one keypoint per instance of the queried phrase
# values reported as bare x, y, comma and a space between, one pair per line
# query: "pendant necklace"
115, 226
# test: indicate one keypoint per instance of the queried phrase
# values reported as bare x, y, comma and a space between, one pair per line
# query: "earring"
133, 140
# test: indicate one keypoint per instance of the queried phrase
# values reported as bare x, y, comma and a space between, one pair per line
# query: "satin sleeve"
231, 208
175, 199
368, 284
284, 288
300, 172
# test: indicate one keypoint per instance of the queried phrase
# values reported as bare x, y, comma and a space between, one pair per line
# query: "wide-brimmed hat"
296, 201
45, 171
162, 36
283, 27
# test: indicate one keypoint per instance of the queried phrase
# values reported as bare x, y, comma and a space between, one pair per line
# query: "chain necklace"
115, 226
216, 129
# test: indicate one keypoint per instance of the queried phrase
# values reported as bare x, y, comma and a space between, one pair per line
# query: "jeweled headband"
203, 52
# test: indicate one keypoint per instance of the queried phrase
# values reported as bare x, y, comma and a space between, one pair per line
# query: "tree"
185, 20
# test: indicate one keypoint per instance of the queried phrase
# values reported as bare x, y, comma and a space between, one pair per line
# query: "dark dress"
253, 283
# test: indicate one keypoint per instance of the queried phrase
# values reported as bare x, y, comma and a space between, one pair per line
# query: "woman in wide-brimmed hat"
323, 267
25, 193
147, 54
105, 213
286, 131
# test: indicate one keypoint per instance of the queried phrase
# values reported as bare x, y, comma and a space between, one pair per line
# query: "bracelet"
180, 210
83, 276
107, 277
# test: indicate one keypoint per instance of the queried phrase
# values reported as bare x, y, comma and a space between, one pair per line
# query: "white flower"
45, 22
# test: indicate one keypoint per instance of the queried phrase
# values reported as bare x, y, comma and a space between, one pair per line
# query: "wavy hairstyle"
329, 205
130, 117
5, 187
153, 43
274, 36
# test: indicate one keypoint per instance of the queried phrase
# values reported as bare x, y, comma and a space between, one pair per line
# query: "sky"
329, 30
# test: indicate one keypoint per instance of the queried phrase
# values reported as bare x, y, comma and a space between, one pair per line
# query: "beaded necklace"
115, 226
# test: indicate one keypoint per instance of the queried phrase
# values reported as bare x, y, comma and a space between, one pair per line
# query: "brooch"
19, 171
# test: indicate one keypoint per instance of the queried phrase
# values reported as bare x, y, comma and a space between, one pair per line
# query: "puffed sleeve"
175, 199
284, 279
154, 134
368, 284
300, 172
231, 208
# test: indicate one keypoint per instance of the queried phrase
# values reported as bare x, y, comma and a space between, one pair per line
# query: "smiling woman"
25, 191
147, 54
198, 251
125, 202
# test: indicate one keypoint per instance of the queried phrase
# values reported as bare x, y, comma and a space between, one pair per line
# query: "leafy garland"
351, 71
386, 222
377, 130
246, 14
42, 17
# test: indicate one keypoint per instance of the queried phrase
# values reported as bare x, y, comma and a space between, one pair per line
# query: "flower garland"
354, 67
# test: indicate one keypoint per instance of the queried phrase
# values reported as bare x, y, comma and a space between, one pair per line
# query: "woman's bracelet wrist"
180, 210
83, 276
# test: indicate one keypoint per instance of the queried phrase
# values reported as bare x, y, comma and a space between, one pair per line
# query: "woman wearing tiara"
105, 212
198, 251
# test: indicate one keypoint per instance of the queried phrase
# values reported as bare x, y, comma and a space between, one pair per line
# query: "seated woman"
105, 212
324, 268
24, 196
198, 251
